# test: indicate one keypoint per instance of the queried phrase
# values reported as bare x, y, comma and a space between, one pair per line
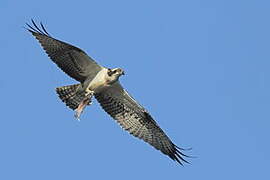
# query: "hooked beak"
123, 72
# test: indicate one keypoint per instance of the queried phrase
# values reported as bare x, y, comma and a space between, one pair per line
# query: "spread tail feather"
70, 96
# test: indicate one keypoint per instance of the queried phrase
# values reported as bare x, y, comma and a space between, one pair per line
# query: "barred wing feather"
137, 121
72, 60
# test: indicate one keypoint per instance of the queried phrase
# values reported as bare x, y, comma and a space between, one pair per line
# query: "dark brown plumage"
72, 60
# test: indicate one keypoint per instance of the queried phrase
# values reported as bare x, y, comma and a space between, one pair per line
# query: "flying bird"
103, 84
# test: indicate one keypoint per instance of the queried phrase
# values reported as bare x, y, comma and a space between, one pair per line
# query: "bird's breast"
99, 82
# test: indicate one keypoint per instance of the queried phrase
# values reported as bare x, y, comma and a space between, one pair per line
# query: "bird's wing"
72, 60
136, 120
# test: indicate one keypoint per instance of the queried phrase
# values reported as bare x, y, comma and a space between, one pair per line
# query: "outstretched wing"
72, 60
137, 121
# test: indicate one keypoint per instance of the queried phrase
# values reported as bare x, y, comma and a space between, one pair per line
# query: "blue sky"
201, 67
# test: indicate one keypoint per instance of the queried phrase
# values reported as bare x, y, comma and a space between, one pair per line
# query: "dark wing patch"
139, 124
72, 60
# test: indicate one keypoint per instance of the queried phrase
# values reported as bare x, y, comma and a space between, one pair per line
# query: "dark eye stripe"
110, 72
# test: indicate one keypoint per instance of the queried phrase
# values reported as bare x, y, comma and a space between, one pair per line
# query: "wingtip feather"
35, 29
178, 156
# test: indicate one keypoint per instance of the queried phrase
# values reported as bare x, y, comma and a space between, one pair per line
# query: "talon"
89, 93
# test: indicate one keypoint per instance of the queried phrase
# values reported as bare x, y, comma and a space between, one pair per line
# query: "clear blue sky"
201, 67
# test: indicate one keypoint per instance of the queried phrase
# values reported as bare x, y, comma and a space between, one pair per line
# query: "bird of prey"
103, 83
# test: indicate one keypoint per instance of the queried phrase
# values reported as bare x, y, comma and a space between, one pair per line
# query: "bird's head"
114, 74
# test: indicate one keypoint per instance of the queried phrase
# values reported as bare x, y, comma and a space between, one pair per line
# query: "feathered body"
103, 83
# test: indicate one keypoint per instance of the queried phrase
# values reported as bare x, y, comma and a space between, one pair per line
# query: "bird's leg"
86, 101
89, 92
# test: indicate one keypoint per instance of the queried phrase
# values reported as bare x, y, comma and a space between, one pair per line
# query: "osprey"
103, 83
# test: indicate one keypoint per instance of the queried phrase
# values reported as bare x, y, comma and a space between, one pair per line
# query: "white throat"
100, 81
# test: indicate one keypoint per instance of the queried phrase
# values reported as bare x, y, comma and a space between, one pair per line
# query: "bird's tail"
70, 96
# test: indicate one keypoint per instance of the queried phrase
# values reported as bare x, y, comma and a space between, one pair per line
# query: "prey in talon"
78, 96
86, 101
